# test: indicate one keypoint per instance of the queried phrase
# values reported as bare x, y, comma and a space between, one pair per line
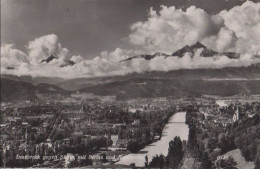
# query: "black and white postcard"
116, 84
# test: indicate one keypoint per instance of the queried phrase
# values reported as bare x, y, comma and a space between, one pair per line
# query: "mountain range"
187, 49
179, 83
134, 87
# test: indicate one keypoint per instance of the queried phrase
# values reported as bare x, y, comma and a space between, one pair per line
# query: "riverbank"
175, 127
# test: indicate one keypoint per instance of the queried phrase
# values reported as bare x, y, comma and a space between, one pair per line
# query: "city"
96, 133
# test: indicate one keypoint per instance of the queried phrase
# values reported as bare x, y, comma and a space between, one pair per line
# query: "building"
236, 115
76, 114
73, 115
114, 139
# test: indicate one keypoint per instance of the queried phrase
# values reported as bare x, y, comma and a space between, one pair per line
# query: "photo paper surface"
130, 84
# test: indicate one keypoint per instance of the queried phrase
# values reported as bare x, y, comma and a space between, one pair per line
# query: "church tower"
236, 115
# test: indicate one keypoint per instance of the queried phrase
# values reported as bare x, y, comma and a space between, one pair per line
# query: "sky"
86, 27
97, 34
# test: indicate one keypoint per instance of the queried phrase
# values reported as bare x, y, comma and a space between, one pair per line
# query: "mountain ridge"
12, 90
249, 73
187, 49
52, 57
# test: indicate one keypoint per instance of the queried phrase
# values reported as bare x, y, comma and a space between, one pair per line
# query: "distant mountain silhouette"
12, 90
49, 59
33, 80
205, 51
52, 57
192, 49
176, 83
146, 57
187, 49
163, 87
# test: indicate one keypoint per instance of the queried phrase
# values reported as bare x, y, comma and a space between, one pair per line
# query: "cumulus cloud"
170, 29
77, 59
196, 62
166, 31
226, 39
244, 21
174, 28
43, 47
11, 57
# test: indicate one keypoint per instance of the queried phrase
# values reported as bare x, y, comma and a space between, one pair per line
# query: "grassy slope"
241, 162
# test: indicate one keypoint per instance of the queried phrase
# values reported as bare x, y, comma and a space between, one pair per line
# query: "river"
175, 127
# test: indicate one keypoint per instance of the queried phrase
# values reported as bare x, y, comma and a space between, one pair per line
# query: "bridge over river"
175, 127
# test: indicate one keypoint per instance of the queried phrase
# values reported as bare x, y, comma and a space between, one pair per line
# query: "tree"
246, 153
157, 162
257, 160
120, 134
146, 161
175, 153
228, 163
134, 146
104, 158
206, 163
192, 141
